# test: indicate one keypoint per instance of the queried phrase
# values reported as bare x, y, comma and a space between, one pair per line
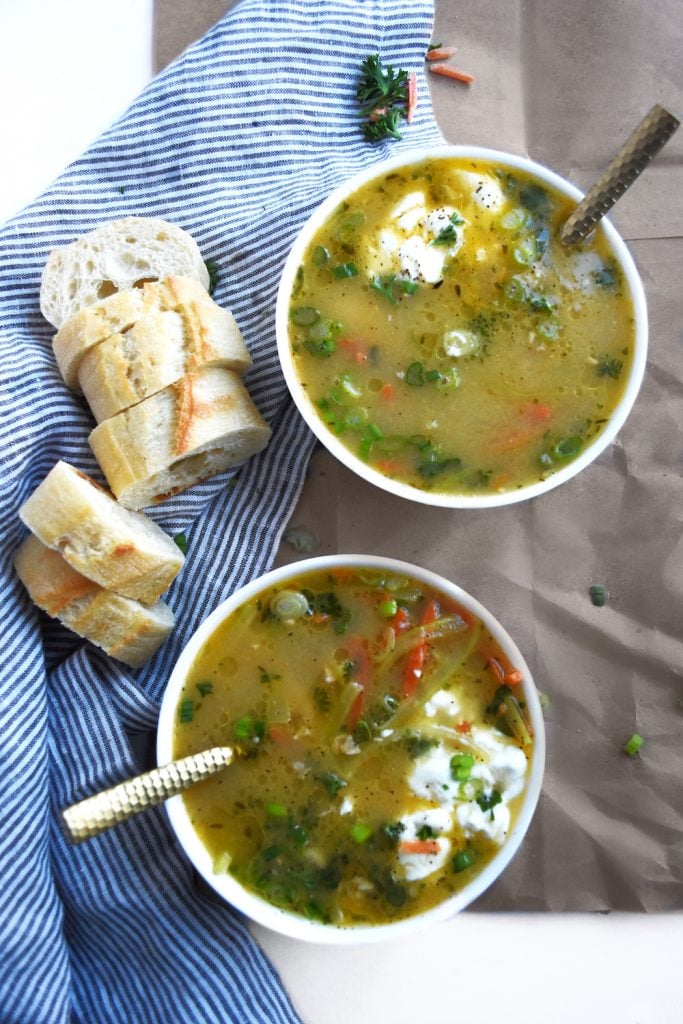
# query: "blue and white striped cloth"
236, 142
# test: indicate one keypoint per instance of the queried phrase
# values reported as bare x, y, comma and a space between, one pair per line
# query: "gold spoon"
642, 145
104, 810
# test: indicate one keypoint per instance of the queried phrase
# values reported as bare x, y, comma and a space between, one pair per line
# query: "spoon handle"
103, 810
654, 130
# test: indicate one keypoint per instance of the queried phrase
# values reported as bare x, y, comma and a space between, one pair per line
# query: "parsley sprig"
383, 97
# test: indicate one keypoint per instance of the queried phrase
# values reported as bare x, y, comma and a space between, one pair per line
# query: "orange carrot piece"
389, 465
443, 53
412, 97
448, 72
387, 391
537, 412
419, 846
412, 674
464, 727
400, 621
514, 677
355, 349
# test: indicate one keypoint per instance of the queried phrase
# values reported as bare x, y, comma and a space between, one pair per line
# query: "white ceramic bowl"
291, 924
353, 462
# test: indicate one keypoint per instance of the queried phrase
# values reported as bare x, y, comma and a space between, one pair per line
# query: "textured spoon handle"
100, 812
646, 141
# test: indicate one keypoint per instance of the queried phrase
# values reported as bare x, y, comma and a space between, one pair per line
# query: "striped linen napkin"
237, 149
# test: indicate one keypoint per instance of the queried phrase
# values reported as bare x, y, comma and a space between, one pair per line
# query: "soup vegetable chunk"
384, 745
448, 339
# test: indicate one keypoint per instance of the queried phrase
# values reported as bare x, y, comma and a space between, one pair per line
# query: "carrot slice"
412, 97
419, 846
443, 53
448, 72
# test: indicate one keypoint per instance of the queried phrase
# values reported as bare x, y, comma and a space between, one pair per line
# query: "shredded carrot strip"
514, 677
448, 72
464, 727
412, 97
387, 391
443, 53
419, 846
389, 466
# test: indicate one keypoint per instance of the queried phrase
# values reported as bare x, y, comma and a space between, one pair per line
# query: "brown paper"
566, 83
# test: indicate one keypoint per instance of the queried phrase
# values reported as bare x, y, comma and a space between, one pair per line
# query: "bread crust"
157, 351
199, 426
122, 551
113, 257
118, 314
126, 630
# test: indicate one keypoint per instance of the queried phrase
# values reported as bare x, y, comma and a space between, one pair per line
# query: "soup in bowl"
441, 341
389, 742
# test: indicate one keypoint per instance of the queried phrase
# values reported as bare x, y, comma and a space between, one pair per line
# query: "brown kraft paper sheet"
565, 83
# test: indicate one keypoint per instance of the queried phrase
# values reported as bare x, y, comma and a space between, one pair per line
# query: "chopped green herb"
322, 699
499, 696
345, 270
463, 859
634, 744
434, 46
181, 541
328, 603
426, 832
267, 677
248, 729
205, 688
487, 803
598, 595
417, 746
321, 349
333, 783
212, 270
605, 277
448, 235
393, 831
393, 287
383, 97
607, 367
186, 711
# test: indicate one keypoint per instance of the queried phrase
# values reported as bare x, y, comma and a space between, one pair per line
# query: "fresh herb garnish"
426, 832
417, 746
205, 688
448, 235
393, 288
393, 831
267, 677
186, 711
321, 699
329, 604
212, 270
487, 803
345, 270
605, 277
333, 783
607, 367
181, 541
383, 97
249, 730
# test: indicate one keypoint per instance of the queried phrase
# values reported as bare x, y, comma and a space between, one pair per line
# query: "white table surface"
68, 68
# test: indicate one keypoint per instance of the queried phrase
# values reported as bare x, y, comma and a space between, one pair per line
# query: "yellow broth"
447, 338
384, 747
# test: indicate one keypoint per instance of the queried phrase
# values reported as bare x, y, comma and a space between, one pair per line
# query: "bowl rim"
283, 921
354, 462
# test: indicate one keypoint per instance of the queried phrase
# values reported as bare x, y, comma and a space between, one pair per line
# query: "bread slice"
115, 256
127, 630
116, 315
157, 351
199, 426
120, 550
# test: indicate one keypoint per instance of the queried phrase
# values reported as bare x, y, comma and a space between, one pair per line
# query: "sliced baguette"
126, 630
199, 426
115, 256
120, 550
116, 315
157, 351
